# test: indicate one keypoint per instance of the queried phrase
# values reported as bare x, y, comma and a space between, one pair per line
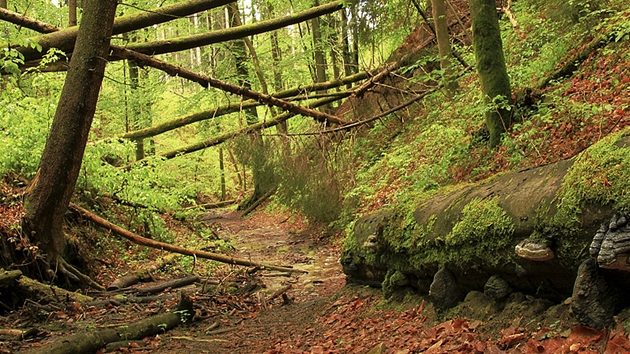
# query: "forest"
352, 176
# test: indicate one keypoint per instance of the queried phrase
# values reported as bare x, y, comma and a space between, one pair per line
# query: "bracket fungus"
611, 244
534, 250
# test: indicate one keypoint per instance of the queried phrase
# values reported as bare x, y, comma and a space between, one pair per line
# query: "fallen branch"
93, 341
206, 81
64, 38
139, 240
139, 274
507, 10
227, 136
211, 205
279, 292
574, 62
173, 284
258, 202
371, 119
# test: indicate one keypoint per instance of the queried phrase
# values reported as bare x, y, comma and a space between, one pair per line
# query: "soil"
319, 313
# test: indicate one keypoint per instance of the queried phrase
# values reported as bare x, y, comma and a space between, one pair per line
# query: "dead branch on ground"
139, 240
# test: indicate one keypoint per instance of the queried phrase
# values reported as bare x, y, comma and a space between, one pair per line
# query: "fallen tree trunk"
227, 136
258, 202
139, 240
64, 38
48, 293
573, 63
533, 228
91, 342
173, 284
8, 278
206, 81
236, 107
216, 205
203, 39
139, 274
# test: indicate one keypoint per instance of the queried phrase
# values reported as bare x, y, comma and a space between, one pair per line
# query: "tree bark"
493, 76
24, 21
3, 4
183, 43
49, 194
64, 39
444, 46
72, 13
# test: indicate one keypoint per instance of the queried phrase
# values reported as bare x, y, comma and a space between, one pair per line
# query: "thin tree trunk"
222, 169
493, 76
72, 12
49, 194
444, 46
354, 25
318, 52
3, 4
345, 46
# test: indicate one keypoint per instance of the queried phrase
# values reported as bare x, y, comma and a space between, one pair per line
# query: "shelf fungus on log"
611, 244
534, 250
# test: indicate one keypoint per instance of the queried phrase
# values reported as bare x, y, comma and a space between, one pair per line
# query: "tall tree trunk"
354, 26
345, 46
493, 76
49, 194
72, 12
222, 169
318, 50
251, 114
444, 46
3, 4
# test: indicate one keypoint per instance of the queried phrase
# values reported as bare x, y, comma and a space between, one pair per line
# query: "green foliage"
600, 175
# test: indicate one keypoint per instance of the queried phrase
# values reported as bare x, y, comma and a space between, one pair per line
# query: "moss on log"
90, 342
473, 229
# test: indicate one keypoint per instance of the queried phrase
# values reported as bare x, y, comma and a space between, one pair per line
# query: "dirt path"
267, 238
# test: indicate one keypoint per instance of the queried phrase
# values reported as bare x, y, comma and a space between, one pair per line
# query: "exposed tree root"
74, 274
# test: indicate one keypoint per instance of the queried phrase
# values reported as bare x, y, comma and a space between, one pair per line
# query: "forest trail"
272, 239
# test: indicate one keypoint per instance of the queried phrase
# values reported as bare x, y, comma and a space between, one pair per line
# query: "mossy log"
473, 230
47, 293
9, 277
90, 342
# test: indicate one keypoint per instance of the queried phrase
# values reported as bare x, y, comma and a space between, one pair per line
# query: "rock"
497, 288
444, 290
594, 301
534, 250
611, 244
